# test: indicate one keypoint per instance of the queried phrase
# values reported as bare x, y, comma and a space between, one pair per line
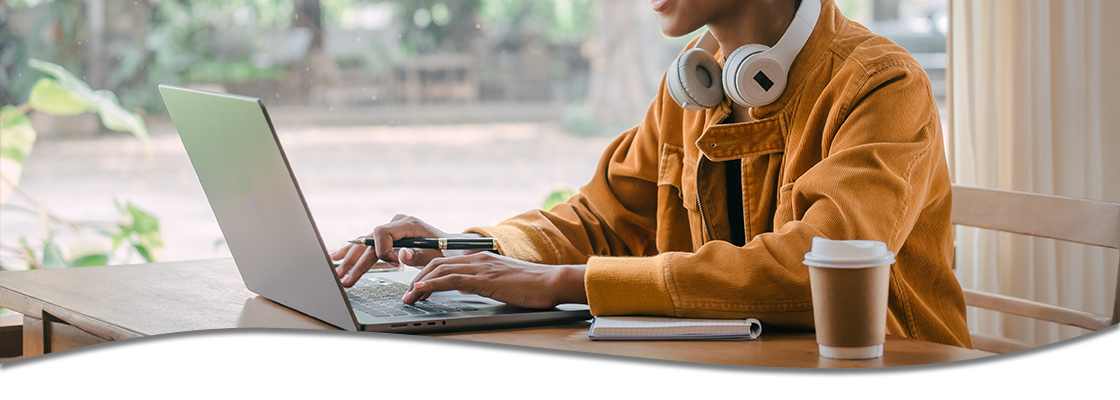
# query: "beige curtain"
1035, 106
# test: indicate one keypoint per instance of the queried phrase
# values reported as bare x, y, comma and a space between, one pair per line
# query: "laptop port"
431, 323
398, 325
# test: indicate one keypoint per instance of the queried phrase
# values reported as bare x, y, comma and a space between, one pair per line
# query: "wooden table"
77, 307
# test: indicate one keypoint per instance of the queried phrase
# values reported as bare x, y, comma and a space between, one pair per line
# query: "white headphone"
754, 75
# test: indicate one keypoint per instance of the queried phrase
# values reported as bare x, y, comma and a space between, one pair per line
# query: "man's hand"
511, 281
357, 259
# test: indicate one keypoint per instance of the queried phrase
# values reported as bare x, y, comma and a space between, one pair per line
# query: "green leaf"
84, 253
145, 224
118, 119
49, 97
123, 232
17, 135
91, 260
146, 227
67, 81
102, 101
556, 197
52, 256
32, 258
144, 252
119, 237
11, 115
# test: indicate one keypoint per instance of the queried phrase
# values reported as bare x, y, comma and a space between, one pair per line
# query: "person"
709, 213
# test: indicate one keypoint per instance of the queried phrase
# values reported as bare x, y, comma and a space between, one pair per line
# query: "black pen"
439, 243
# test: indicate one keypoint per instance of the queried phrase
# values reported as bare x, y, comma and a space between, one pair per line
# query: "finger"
438, 267
450, 264
450, 281
412, 286
364, 263
421, 291
338, 254
438, 270
347, 266
432, 269
407, 256
417, 257
383, 244
422, 297
348, 261
401, 227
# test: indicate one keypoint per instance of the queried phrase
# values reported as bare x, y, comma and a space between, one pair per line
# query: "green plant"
63, 94
137, 233
556, 197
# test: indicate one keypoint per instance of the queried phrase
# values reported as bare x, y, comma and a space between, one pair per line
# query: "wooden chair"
1074, 220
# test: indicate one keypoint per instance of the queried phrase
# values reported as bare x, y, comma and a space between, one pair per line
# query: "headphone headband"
797, 33
707, 42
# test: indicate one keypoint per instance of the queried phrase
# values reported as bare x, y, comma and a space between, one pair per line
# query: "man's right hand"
356, 259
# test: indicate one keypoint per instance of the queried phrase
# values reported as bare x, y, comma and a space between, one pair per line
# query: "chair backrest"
1088, 222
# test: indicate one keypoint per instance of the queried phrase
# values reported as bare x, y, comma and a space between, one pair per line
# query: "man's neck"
757, 22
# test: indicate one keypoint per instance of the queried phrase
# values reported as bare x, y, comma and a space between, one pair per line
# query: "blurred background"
462, 113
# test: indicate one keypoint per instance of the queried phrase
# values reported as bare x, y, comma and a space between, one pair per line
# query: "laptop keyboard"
383, 299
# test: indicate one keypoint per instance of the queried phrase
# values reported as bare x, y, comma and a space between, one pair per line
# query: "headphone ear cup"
695, 80
741, 80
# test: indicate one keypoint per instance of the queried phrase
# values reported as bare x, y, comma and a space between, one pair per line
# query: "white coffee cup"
850, 280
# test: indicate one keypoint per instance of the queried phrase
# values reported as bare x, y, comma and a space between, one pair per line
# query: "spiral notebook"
662, 328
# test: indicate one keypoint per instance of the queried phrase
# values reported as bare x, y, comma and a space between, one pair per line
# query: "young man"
709, 213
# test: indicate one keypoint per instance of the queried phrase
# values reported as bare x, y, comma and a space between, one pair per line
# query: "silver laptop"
274, 241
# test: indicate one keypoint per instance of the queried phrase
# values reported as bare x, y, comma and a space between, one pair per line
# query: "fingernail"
407, 297
419, 285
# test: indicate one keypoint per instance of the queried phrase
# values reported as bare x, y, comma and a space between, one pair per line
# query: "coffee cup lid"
848, 253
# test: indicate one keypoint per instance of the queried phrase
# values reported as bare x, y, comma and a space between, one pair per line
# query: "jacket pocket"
670, 167
784, 211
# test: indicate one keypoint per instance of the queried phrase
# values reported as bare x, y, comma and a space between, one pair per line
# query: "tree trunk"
616, 93
885, 10
318, 70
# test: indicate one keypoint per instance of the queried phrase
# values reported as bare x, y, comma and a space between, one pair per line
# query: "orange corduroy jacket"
851, 150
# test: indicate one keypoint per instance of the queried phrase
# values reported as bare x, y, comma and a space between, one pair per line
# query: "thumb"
417, 257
